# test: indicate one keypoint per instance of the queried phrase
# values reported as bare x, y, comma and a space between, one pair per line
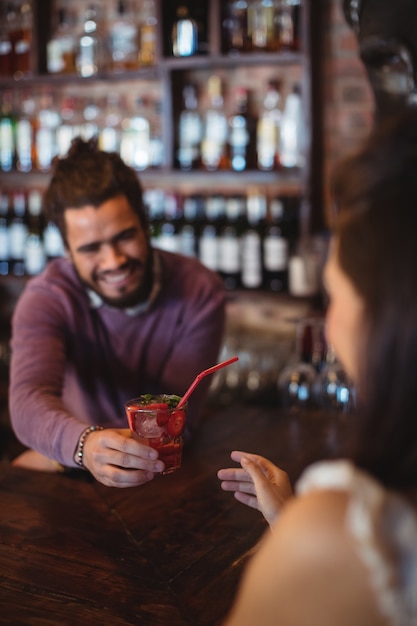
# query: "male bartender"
113, 319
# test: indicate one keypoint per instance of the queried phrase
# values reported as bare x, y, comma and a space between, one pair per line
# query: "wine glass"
296, 380
333, 388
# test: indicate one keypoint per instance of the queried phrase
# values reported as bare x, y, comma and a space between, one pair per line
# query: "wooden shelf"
283, 182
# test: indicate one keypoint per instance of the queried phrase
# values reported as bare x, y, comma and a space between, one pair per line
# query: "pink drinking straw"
202, 374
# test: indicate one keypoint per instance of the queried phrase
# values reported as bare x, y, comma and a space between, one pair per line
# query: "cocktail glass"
155, 421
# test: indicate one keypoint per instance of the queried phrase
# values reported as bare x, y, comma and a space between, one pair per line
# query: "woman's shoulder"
347, 519
337, 475
344, 550
307, 571
312, 530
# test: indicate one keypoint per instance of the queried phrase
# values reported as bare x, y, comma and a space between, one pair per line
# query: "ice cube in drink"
156, 422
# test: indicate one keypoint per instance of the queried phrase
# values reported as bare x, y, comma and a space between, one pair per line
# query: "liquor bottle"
25, 134
252, 240
91, 49
235, 37
52, 241
241, 133
35, 217
67, 129
60, 49
275, 250
142, 129
190, 230
147, 33
21, 37
35, 257
252, 271
214, 143
6, 46
190, 131
48, 120
156, 144
154, 202
124, 39
184, 34
169, 229
256, 209
89, 125
292, 141
110, 129
18, 232
208, 245
288, 19
7, 132
230, 263
4, 234
4, 243
135, 137
261, 25
269, 129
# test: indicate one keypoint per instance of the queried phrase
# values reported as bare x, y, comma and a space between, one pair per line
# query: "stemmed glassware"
313, 376
333, 389
295, 382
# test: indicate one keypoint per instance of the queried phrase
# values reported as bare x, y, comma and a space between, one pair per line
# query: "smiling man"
112, 320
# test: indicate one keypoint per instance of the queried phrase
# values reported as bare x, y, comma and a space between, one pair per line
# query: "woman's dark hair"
89, 176
376, 233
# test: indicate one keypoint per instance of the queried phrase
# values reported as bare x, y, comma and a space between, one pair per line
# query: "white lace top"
384, 526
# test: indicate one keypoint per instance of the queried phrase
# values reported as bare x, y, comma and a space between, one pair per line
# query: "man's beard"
133, 298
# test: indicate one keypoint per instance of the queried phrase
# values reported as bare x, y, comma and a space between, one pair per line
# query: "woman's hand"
116, 459
258, 483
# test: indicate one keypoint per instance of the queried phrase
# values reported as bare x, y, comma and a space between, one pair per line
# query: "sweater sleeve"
39, 341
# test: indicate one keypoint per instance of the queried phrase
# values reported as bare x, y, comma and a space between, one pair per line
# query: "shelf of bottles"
246, 238
190, 107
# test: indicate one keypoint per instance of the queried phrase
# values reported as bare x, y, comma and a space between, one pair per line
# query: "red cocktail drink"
156, 422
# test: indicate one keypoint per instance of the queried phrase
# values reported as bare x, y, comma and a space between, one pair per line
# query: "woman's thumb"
252, 468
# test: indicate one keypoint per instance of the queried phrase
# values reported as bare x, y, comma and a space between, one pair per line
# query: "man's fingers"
116, 477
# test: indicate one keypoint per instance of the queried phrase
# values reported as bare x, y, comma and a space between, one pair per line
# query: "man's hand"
258, 483
116, 459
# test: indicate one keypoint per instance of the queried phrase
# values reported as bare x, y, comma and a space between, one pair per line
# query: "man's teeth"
116, 278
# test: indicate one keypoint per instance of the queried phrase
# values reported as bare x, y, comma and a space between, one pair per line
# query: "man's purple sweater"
74, 364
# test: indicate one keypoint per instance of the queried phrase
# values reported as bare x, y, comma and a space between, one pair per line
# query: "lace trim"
373, 515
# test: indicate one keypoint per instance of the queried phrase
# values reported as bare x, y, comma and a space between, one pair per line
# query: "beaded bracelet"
81, 443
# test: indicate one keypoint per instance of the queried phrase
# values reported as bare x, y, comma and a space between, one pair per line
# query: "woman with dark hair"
343, 550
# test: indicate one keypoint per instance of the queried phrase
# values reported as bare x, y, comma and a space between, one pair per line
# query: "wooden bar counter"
170, 552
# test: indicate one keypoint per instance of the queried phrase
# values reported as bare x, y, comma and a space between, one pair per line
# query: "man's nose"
112, 256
